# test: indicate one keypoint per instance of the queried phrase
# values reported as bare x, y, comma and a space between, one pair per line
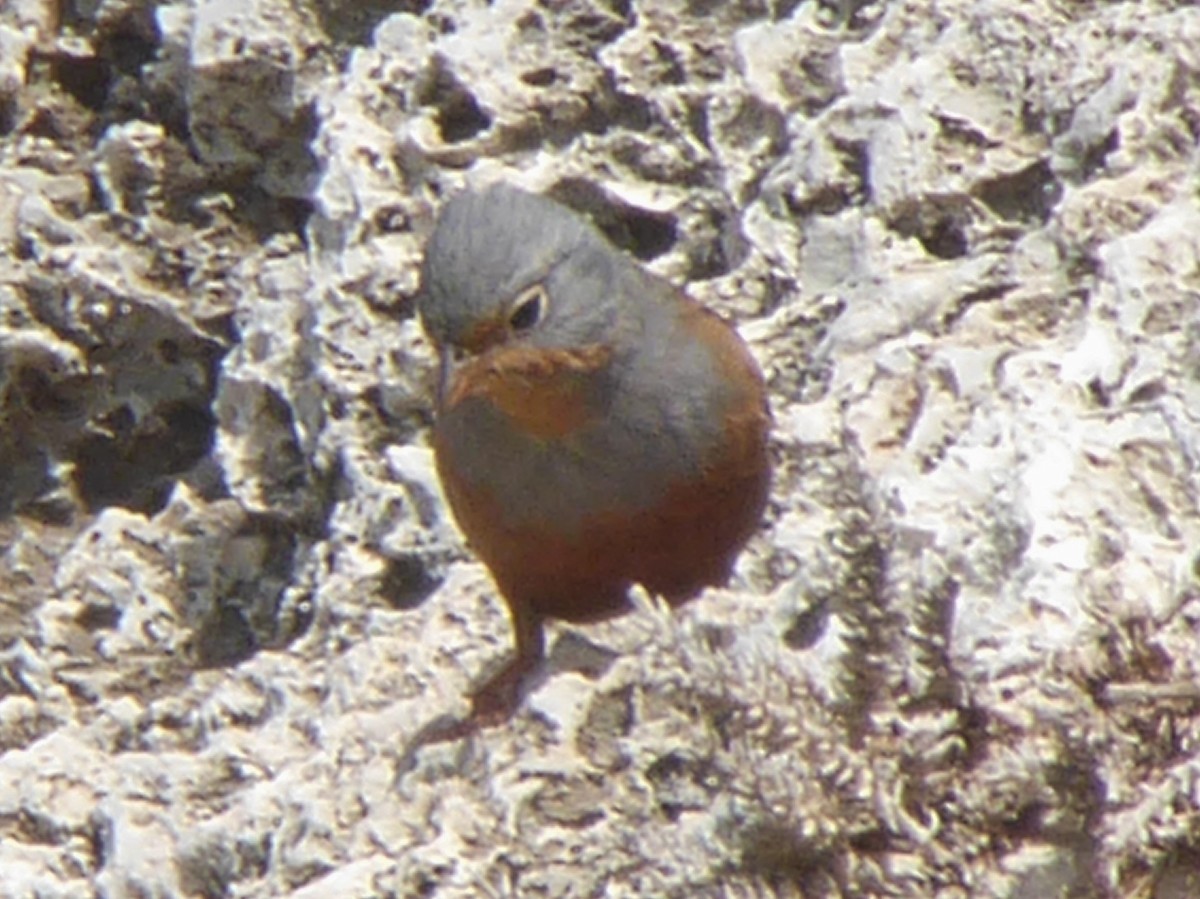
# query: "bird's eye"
528, 308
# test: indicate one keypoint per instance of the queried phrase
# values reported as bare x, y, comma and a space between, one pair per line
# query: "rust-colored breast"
687, 540
545, 392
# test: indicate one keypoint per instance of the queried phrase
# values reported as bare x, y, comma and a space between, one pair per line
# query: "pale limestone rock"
958, 660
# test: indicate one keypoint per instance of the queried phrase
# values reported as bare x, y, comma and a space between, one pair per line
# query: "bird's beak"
445, 370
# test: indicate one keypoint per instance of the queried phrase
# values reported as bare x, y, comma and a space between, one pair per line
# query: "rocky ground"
961, 657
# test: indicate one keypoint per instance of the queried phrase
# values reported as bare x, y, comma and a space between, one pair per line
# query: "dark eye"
528, 308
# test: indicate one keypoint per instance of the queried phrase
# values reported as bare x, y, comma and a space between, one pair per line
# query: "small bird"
596, 427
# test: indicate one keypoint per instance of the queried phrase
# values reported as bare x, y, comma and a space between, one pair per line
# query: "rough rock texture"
962, 658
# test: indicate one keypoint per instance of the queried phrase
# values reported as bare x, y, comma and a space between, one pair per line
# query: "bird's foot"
497, 700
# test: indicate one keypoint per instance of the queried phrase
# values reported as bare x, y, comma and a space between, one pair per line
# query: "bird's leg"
497, 699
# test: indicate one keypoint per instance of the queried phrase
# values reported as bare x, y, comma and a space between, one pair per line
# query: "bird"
595, 427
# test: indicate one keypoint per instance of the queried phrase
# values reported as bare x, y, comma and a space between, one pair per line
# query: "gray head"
507, 266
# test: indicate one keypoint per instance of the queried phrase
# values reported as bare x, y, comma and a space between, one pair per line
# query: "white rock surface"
961, 657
